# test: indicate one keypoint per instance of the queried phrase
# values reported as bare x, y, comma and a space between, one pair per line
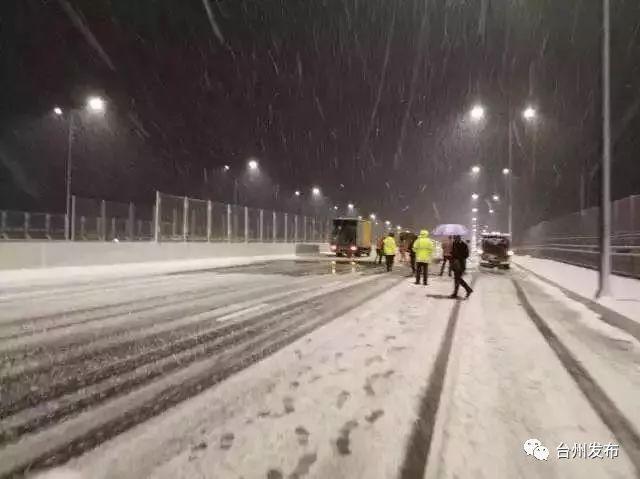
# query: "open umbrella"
450, 230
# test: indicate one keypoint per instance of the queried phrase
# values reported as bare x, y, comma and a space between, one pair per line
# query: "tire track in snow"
76, 434
611, 416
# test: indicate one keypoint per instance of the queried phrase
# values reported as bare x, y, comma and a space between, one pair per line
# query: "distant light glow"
387, 223
398, 227
475, 169
506, 171
372, 216
474, 210
496, 198
477, 113
350, 206
474, 219
58, 111
335, 208
226, 167
474, 196
253, 164
491, 211
315, 191
297, 193
529, 113
96, 104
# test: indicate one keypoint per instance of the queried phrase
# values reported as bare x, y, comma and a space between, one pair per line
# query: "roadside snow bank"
584, 282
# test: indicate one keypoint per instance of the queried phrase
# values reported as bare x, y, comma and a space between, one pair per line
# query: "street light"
506, 171
496, 198
387, 223
474, 210
372, 216
491, 211
315, 191
477, 113
474, 196
297, 193
253, 165
475, 169
398, 227
350, 206
474, 219
95, 104
335, 208
529, 113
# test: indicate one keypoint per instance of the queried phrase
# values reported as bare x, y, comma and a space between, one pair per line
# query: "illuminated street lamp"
95, 104
491, 211
474, 210
398, 227
475, 169
475, 196
350, 206
529, 113
496, 198
253, 165
372, 216
506, 171
477, 113
387, 223
226, 167
315, 191
335, 208
297, 193
474, 219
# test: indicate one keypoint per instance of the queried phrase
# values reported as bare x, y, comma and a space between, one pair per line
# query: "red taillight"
353, 248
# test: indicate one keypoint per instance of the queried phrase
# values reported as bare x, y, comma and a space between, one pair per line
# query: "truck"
351, 237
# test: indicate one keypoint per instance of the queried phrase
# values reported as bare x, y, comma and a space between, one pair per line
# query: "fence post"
72, 236
261, 225
132, 221
3, 225
209, 212
47, 225
103, 216
275, 226
229, 223
246, 224
185, 218
304, 224
295, 229
286, 220
27, 217
156, 219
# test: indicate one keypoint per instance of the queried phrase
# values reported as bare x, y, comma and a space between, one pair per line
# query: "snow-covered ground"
70, 274
625, 298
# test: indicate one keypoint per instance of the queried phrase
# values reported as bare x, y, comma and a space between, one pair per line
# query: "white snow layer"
625, 298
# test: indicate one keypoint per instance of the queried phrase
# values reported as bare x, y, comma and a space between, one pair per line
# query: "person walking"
389, 249
412, 254
379, 249
459, 255
446, 254
422, 249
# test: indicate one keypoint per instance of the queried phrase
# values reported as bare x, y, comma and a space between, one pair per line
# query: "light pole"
95, 104
604, 277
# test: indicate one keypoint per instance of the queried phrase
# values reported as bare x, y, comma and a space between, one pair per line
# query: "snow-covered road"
282, 369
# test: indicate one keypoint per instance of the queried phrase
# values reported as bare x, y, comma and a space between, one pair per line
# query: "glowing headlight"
353, 248
510, 253
480, 251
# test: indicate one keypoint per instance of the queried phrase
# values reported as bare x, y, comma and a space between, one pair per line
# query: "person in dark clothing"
446, 254
412, 254
459, 255
379, 248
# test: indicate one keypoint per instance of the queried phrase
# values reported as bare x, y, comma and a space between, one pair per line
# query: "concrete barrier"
47, 254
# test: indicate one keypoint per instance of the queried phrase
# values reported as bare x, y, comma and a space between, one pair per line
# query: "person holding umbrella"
459, 255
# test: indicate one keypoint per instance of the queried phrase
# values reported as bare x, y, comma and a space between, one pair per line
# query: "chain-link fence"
573, 238
179, 219
189, 219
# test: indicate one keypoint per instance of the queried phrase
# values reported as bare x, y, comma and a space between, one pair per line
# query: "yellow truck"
351, 237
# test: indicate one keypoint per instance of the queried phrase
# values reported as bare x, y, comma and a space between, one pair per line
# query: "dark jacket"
459, 254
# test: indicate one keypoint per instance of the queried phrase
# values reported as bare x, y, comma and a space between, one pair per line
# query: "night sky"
370, 94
